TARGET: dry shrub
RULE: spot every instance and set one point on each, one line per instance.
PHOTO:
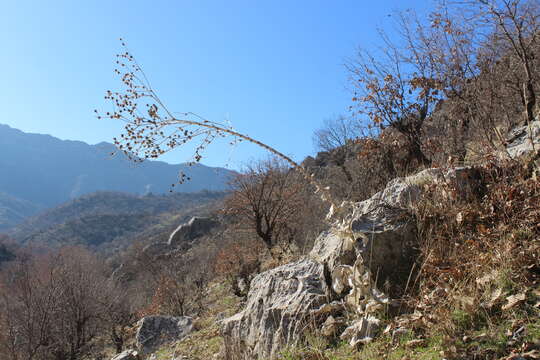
(56, 305)
(238, 261)
(364, 166)
(266, 198)
(476, 252)
(180, 282)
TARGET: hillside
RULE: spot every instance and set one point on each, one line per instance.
(7, 250)
(14, 210)
(108, 219)
(47, 171)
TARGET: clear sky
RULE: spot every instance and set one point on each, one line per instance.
(273, 68)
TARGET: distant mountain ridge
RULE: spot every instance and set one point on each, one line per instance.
(41, 171)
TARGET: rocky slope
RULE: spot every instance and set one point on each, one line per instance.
(343, 273)
(358, 268)
(337, 289)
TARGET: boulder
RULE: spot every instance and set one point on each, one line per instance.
(384, 239)
(196, 227)
(331, 326)
(333, 248)
(379, 239)
(155, 331)
(404, 193)
(381, 230)
(277, 310)
(361, 331)
(127, 355)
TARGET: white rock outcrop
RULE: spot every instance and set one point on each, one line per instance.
(194, 228)
(371, 246)
(154, 331)
(277, 310)
(127, 355)
(524, 139)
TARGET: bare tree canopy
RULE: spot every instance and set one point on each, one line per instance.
(268, 196)
(335, 132)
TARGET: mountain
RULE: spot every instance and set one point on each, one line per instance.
(14, 210)
(39, 171)
(106, 220)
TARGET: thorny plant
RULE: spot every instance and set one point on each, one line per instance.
(152, 130)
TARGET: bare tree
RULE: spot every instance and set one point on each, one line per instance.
(27, 306)
(518, 30)
(398, 87)
(484, 51)
(118, 313)
(51, 305)
(335, 132)
(237, 261)
(267, 198)
(468, 65)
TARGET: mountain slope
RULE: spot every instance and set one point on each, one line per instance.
(14, 210)
(109, 219)
(47, 171)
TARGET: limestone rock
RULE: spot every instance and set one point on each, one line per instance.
(332, 249)
(331, 326)
(361, 331)
(127, 355)
(155, 331)
(277, 310)
(373, 246)
(381, 229)
(519, 141)
(196, 227)
(404, 192)
(384, 239)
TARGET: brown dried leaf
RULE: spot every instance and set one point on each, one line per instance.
(486, 279)
(514, 300)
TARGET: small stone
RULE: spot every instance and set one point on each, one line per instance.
(399, 332)
(127, 355)
(361, 331)
(330, 326)
(514, 300)
(415, 343)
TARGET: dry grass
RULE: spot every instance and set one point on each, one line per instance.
(480, 265)
(205, 341)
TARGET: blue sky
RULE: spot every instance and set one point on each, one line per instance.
(273, 68)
